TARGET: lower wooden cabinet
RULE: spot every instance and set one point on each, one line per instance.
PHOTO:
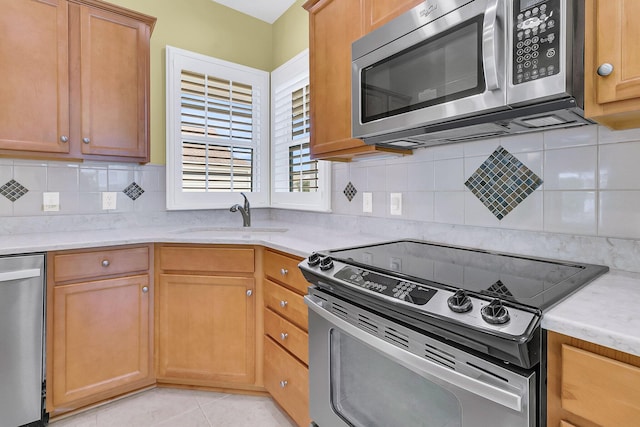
(591, 386)
(99, 340)
(287, 380)
(206, 329)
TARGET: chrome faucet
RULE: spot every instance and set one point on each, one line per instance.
(245, 211)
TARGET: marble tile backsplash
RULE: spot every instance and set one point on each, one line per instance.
(80, 187)
(590, 186)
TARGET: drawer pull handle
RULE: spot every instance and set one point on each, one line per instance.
(283, 383)
(105, 263)
(283, 335)
(145, 289)
(249, 292)
(283, 304)
(284, 271)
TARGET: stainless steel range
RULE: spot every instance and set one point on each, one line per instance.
(415, 333)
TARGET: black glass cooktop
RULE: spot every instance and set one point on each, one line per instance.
(534, 282)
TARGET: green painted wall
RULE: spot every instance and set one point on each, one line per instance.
(209, 28)
(290, 34)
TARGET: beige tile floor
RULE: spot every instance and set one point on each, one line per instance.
(164, 407)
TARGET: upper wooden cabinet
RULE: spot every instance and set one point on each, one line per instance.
(75, 80)
(333, 26)
(611, 37)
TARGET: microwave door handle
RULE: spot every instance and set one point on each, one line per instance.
(421, 366)
(489, 45)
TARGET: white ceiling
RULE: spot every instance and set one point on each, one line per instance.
(265, 10)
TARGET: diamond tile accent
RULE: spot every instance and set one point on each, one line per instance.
(502, 182)
(133, 191)
(498, 290)
(13, 190)
(350, 191)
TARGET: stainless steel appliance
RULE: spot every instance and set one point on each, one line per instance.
(22, 340)
(457, 70)
(415, 333)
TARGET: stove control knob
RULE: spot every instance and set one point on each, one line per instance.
(495, 313)
(459, 302)
(314, 259)
(326, 264)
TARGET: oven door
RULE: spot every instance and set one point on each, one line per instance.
(365, 370)
(448, 67)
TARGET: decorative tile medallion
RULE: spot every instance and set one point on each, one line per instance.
(350, 191)
(133, 191)
(502, 182)
(13, 190)
(498, 290)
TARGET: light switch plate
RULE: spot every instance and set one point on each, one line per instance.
(109, 200)
(367, 202)
(51, 202)
(396, 203)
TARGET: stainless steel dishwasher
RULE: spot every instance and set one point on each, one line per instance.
(21, 340)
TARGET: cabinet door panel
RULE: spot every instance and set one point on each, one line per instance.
(206, 328)
(379, 12)
(101, 338)
(618, 45)
(34, 76)
(114, 83)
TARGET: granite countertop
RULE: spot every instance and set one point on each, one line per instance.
(603, 312)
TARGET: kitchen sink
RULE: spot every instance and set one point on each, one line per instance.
(230, 230)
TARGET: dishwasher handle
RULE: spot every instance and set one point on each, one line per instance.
(19, 274)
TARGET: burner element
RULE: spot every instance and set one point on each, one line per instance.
(495, 313)
(459, 302)
(326, 263)
(314, 259)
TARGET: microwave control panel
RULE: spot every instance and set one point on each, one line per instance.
(536, 39)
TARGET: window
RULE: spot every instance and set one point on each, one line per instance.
(298, 182)
(217, 132)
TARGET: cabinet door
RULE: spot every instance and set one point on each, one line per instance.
(34, 76)
(114, 73)
(101, 339)
(206, 329)
(612, 38)
(379, 12)
(333, 26)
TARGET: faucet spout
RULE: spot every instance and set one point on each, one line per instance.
(245, 211)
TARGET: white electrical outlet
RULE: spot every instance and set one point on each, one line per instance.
(396, 203)
(109, 200)
(367, 202)
(51, 202)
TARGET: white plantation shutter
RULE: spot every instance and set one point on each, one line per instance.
(298, 182)
(217, 132)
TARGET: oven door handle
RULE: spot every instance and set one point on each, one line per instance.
(490, 49)
(417, 364)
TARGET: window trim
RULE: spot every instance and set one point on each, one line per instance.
(177, 60)
(293, 71)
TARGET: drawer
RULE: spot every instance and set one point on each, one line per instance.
(288, 335)
(288, 382)
(286, 303)
(285, 269)
(207, 259)
(600, 389)
(94, 264)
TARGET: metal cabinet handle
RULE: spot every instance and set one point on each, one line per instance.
(86, 140)
(284, 383)
(249, 292)
(145, 289)
(105, 263)
(284, 271)
(283, 335)
(283, 303)
(605, 69)
(64, 138)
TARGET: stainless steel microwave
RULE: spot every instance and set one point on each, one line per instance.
(457, 70)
